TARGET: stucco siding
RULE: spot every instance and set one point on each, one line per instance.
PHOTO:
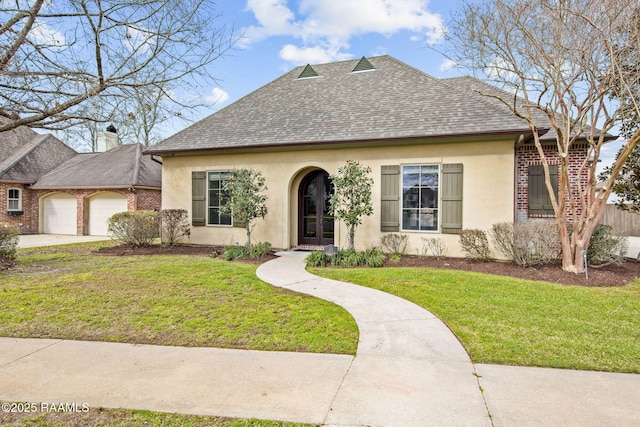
(488, 187)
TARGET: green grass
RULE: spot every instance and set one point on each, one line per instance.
(66, 292)
(122, 417)
(510, 321)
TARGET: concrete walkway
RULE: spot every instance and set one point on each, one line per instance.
(409, 371)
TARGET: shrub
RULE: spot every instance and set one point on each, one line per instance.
(235, 252)
(254, 251)
(475, 244)
(136, 229)
(372, 257)
(175, 225)
(605, 247)
(8, 242)
(395, 243)
(317, 259)
(434, 247)
(260, 249)
(527, 244)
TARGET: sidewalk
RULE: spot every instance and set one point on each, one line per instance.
(409, 371)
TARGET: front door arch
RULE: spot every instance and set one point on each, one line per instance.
(315, 224)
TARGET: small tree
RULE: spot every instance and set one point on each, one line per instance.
(244, 198)
(174, 225)
(351, 199)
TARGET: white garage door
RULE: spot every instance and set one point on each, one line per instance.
(59, 216)
(101, 207)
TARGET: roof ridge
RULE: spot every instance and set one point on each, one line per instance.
(136, 165)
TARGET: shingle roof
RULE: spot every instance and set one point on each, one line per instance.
(393, 101)
(539, 117)
(120, 167)
(26, 155)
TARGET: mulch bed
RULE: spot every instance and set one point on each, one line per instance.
(611, 275)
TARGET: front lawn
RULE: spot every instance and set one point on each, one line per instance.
(518, 322)
(67, 292)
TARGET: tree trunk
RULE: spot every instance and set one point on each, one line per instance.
(352, 237)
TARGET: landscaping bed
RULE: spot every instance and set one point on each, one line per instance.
(195, 250)
(610, 275)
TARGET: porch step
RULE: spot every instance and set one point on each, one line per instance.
(307, 248)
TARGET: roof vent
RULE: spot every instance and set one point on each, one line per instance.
(363, 65)
(308, 72)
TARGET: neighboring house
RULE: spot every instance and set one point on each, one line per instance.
(46, 187)
(443, 157)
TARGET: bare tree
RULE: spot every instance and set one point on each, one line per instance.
(54, 56)
(559, 60)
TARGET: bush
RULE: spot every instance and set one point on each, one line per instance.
(527, 244)
(254, 251)
(605, 247)
(434, 247)
(395, 243)
(138, 228)
(8, 242)
(175, 225)
(372, 257)
(475, 244)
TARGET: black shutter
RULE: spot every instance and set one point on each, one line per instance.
(198, 198)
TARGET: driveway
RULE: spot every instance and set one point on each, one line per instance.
(34, 240)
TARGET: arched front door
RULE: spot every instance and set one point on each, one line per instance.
(315, 224)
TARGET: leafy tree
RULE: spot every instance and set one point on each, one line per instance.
(627, 184)
(559, 62)
(244, 198)
(351, 199)
(57, 56)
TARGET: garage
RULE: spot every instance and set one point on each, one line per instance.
(101, 207)
(60, 214)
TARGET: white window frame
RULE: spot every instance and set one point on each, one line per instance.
(438, 207)
(209, 207)
(13, 199)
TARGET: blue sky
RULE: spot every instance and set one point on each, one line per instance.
(279, 35)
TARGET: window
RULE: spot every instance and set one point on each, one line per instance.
(539, 200)
(420, 184)
(14, 200)
(216, 198)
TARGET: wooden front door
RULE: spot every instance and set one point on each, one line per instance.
(315, 224)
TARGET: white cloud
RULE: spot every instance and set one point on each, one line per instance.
(447, 65)
(311, 55)
(325, 27)
(218, 96)
(42, 34)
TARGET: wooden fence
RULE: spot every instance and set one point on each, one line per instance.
(627, 223)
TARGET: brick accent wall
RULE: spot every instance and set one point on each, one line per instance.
(29, 221)
(24, 220)
(527, 155)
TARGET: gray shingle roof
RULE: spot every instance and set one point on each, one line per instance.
(394, 101)
(26, 155)
(121, 167)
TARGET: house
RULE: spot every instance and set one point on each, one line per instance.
(47, 187)
(443, 156)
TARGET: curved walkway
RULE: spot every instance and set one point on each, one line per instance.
(409, 370)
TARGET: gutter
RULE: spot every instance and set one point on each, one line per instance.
(273, 146)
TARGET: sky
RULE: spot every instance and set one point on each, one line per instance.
(278, 35)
